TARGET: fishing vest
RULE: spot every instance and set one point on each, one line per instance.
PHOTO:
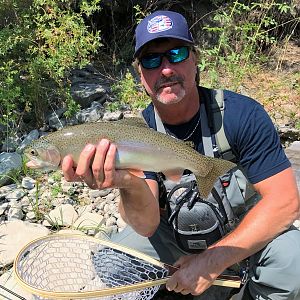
(198, 222)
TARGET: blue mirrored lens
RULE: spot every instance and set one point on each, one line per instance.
(152, 61)
(178, 54)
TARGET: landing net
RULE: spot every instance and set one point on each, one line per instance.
(80, 267)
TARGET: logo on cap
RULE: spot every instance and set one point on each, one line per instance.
(159, 24)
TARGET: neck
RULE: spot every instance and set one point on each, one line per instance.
(181, 112)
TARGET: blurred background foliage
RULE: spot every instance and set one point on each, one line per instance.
(42, 41)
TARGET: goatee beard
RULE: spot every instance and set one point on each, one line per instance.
(175, 79)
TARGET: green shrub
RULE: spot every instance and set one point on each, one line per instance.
(130, 93)
(40, 42)
(244, 30)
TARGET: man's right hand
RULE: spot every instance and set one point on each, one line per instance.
(96, 167)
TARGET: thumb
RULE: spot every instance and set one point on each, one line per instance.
(171, 284)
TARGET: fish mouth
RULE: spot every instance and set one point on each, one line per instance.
(35, 164)
(32, 165)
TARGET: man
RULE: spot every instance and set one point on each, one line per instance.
(166, 60)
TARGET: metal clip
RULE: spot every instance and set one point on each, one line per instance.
(244, 274)
(192, 200)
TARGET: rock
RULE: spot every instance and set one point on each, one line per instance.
(112, 116)
(4, 207)
(106, 208)
(89, 115)
(17, 194)
(288, 133)
(28, 183)
(297, 224)
(293, 154)
(117, 199)
(44, 128)
(86, 93)
(15, 235)
(106, 232)
(30, 216)
(15, 211)
(9, 163)
(70, 231)
(110, 221)
(62, 215)
(121, 223)
(89, 221)
(10, 144)
(5, 190)
(84, 209)
(27, 203)
(104, 192)
(95, 194)
(72, 121)
(101, 204)
(110, 197)
(33, 135)
(68, 187)
(54, 119)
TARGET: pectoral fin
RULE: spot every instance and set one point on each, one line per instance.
(137, 173)
(174, 175)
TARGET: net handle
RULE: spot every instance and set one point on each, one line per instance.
(222, 280)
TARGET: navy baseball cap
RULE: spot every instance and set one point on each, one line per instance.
(161, 24)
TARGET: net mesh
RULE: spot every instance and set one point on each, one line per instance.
(76, 264)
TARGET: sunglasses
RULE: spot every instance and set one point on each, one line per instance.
(175, 55)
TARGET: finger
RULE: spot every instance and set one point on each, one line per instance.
(67, 168)
(84, 161)
(99, 159)
(185, 292)
(109, 165)
(171, 284)
(177, 289)
(83, 170)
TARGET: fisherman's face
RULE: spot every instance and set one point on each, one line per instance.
(170, 82)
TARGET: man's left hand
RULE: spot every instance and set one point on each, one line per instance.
(193, 276)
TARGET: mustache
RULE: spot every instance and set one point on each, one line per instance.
(168, 80)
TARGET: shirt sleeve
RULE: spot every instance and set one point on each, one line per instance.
(150, 175)
(257, 143)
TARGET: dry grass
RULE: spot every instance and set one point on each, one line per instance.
(275, 84)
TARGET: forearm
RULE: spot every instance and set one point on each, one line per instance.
(253, 233)
(275, 212)
(139, 206)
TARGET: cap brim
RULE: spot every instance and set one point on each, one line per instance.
(136, 53)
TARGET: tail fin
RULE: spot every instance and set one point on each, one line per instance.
(205, 184)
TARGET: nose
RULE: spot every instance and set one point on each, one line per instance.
(167, 68)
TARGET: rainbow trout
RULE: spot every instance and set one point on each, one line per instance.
(138, 148)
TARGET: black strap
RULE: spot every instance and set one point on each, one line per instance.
(11, 292)
(214, 105)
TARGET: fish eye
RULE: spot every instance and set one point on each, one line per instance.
(32, 152)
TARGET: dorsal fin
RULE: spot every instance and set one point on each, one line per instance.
(133, 121)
